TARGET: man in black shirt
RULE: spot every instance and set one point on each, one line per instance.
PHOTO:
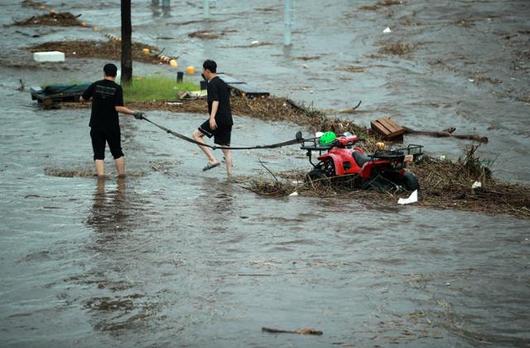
(219, 124)
(107, 101)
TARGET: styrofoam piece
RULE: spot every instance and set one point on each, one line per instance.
(49, 56)
(476, 184)
(413, 198)
(387, 30)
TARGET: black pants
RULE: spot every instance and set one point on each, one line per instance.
(221, 134)
(100, 137)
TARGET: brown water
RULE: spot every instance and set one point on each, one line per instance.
(172, 256)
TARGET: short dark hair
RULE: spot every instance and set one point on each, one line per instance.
(110, 70)
(210, 65)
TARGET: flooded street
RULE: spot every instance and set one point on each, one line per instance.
(172, 256)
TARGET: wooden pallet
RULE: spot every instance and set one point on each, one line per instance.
(388, 128)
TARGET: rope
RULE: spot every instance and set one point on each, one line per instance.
(297, 140)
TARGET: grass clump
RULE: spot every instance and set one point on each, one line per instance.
(156, 88)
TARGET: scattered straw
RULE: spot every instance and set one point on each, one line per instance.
(353, 69)
(397, 48)
(97, 49)
(63, 19)
(443, 184)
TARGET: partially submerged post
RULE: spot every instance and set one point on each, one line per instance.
(288, 22)
(166, 8)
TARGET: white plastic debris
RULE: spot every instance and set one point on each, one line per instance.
(387, 30)
(413, 198)
(49, 56)
(294, 194)
(254, 43)
(476, 184)
(318, 134)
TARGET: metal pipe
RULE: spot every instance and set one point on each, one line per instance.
(288, 22)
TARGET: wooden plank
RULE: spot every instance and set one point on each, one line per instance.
(387, 128)
(396, 130)
(389, 124)
(379, 127)
(376, 127)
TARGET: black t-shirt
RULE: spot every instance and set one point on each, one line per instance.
(218, 91)
(105, 95)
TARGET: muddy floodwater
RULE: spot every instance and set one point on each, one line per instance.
(175, 257)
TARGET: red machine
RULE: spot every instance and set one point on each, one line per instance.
(383, 169)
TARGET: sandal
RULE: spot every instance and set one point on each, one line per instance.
(210, 166)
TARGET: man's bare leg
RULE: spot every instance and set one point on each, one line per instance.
(228, 161)
(197, 136)
(100, 168)
(120, 166)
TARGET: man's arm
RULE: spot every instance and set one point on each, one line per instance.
(124, 110)
(118, 106)
(87, 94)
(137, 114)
(215, 107)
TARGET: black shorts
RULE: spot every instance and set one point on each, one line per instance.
(221, 134)
(101, 137)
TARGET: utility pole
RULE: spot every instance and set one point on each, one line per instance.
(126, 51)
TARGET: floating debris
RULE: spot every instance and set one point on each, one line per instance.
(63, 19)
(353, 69)
(70, 173)
(205, 35)
(397, 48)
(110, 49)
(444, 184)
(302, 331)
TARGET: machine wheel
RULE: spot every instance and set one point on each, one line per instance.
(410, 182)
(329, 168)
(315, 174)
